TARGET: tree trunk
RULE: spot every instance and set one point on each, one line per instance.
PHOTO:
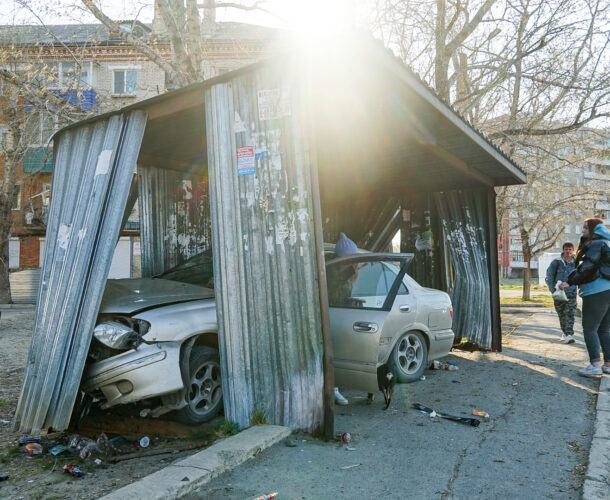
(5, 228)
(526, 277)
(527, 259)
(441, 58)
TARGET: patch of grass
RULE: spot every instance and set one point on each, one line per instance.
(259, 416)
(229, 428)
(4, 403)
(533, 288)
(200, 435)
(545, 300)
(14, 450)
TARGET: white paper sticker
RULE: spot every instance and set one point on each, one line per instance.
(273, 103)
(63, 240)
(239, 125)
(103, 162)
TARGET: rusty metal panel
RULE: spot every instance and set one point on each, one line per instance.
(464, 219)
(266, 282)
(93, 168)
(174, 217)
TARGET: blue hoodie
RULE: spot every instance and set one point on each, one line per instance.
(600, 284)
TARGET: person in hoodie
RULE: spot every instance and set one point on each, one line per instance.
(558, 271)
(592, 275)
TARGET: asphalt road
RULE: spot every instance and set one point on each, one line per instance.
(534, 446)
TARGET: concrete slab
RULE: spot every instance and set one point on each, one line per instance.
(602, 425)
(603, 399)
(594, 490)
(599, 461)
(186, 475)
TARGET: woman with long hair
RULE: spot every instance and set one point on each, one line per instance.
(592, 275)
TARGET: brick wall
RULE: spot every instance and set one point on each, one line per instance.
(29, 253)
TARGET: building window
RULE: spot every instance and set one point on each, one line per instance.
(125, 82)
(39, 127)
(16, 205)
(73, 74)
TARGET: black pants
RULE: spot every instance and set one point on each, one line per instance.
(596, 324)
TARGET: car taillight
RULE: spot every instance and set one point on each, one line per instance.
(451, 311)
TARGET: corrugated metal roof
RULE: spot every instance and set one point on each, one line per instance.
(373, 56)
(98, 34)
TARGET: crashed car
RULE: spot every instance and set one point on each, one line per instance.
(157, 337)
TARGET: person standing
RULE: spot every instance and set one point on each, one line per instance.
(559, 270)
(592, 275)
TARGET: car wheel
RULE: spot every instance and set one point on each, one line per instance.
(204, 393)
(408, 359)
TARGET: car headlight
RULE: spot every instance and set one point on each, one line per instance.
(114, 334)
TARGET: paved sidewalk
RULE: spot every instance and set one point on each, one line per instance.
(535, 446)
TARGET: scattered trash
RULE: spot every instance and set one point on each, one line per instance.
(104, 444)
(515, 383)
(349, 448)
(97, 461)
(346, 437)
(449, 365)
(34, 448)
(144, 442)
(500, 461)
(185, 479)
(73, 470)
(26, 439)
(118, 439)
(481, 413)
(423, 377)
(4, 478)
(474, 422)
(432, 414)
(4, 422)
(56, 450)
(350, 466)
(456, 381)
(266, 496)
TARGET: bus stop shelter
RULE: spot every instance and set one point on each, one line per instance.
(264, 165)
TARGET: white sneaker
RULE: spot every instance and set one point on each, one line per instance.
(567, 339)
(339, 399)
(591, 371)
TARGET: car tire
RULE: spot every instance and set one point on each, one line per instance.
(204, 393)
(409, 357)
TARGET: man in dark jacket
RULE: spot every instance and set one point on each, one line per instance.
(559, 270)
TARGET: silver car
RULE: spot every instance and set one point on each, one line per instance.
(156, 338)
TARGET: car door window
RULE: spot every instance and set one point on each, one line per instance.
(360, 285)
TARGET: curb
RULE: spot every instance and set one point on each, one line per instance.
(203, 466)
(597, 477)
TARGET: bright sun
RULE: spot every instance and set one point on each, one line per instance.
(319, 16)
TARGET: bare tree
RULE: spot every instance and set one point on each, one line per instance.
(30, 109)
(523, 71)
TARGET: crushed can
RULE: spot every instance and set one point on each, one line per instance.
(73, 470)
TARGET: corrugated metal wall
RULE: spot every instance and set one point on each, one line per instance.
(174, 217)
(93, 169)
(264, 250)
(464, 218)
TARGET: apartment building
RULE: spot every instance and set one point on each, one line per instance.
(88, 66)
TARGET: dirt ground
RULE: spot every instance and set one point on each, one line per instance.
(42, 476)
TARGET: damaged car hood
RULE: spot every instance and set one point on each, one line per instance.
(127, 296)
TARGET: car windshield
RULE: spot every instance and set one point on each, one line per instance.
(198, 270)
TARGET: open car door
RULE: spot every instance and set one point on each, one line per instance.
(361, 290)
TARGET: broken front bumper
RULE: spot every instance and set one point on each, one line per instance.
(149, 371)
